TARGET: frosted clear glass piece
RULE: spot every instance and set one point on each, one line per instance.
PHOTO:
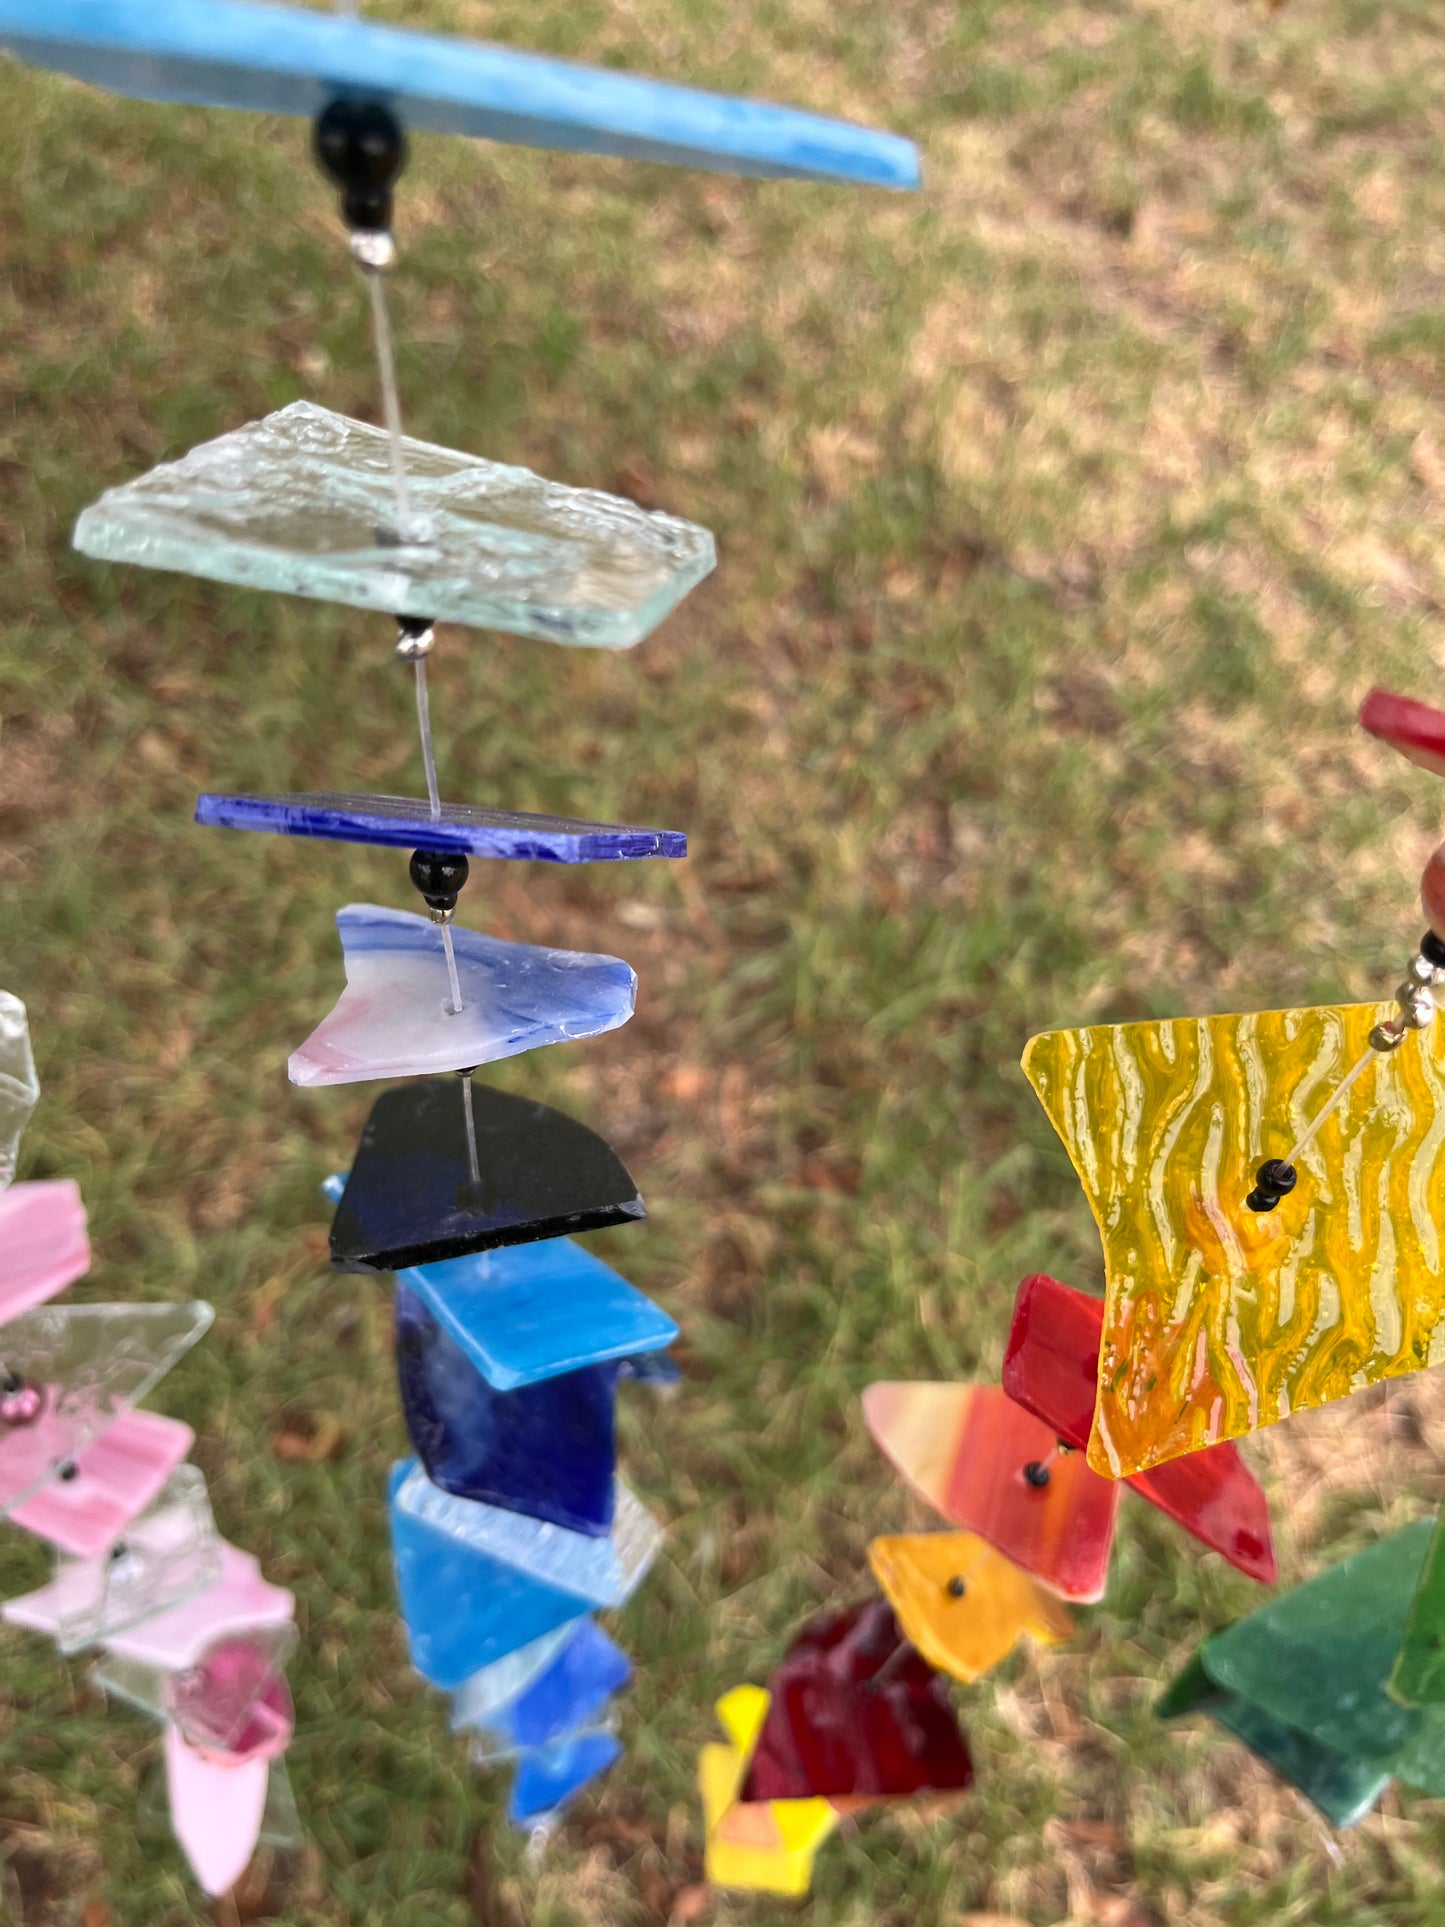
(395, 1017)
(239, 1600)
(212, 1701)
(19, 1086)
(170, 1552)
(302, 503)
(92, 1363)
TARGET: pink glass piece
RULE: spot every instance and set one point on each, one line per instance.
(117, 1476)
(216, 1811)
(234, 1703)
(970, 1451)
(43, 1245)
(1050, 1367)
(1414, 729)
(240, 1601)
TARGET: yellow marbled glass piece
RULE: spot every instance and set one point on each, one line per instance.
(766, 1845)
(963, 1633)
(1220, 1321)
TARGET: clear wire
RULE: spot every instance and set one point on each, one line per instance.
(447, 945)
(428, 748)
(1341, 1092)
(471, 1123)
(390, 398)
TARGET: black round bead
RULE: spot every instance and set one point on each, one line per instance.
(1272, 1181)
(1432, 949)
(956, 1587)
(360, 146)
(70, 1470)
(439, 875)
(1036, 1475)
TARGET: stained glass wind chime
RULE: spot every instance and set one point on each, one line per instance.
(510, 1528)
(1270, 1193)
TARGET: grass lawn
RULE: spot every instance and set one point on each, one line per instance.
(1065, 511)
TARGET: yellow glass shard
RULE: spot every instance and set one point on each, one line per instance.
(767, 1846)
(1219, 1321)
(963, 1605)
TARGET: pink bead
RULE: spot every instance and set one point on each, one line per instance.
(1414, 729)
(1432, 892)
(22, 1406)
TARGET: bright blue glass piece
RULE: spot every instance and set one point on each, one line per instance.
(571, 1693)
(547, 1450)
(477, 1582)
(406, 823)
(550, 1776)
(479, 1700)
(530, 1312)
(222, 53)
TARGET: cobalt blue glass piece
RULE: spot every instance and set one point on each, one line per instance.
(224, 53)
(572, 1693)
(477, 1582)
(411, 1200)
(551, 1775)
(406, 823)
(547, 1450)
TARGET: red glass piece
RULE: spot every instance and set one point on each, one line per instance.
(1414, 729)
(856, 1711)
(1050, 1367)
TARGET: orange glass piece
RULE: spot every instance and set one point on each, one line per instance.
(963, 1605)
(767, 1846)
(1217, 1320)
(966, 1448)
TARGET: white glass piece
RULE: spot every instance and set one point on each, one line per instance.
(170, 1552)
(395, 1017)
(92, 1364)
(217, 1810)
(302, 503)
(19, 1086)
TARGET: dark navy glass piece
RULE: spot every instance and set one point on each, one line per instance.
(571, 1694)
(547, 1450)
(551, 1775)
(411, 1200)
(406, 823)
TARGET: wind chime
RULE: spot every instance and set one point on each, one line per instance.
(510, 1528)
(1268, 1189)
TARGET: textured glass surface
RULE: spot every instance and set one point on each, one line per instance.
(94, 1362)
(1418, 1678)
(217, 1808)
(477, 1582)
(411, 1200)
(116, 1477)
(406, 823)
(302, 503)
(1219, 1321)
(549, 1776)
(285, 61)
(43, 1243)
(1051, 1368)
(766, 1846)
(854, 1711)
(1320, 1658)
(395, 1017)
(168, 1553)
(478, 1700)
(1343, 1789)
(239, 1600)
(19, 1086)
(963, 1605)
(547, 1450)
(965, 1447)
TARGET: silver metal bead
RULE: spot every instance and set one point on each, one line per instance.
(412, 648)
(441, 916)
(1422, 971)
(1386, 1036)
(1417, 1006)
(372, 248)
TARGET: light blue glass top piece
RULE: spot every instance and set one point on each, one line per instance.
(477, 1582)
(528, 1312)
(396, 1018)
(222, 53)
(551, 1775)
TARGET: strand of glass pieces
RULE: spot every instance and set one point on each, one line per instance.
(187, 1628)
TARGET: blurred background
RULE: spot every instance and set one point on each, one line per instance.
(1065, 513)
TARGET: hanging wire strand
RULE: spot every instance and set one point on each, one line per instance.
(390, 398)
(456, 983)
(471, 1123)
(1341, 1092)
(428, 748)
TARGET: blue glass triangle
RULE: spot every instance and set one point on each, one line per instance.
(477, 1582)
(531, 1312)
(550, 1776)
(571, 1693)
(547, 1450)
(282, 60)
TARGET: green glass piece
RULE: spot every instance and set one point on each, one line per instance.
(1319, 1659)
(1419, 1675)
(1344, 1790)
